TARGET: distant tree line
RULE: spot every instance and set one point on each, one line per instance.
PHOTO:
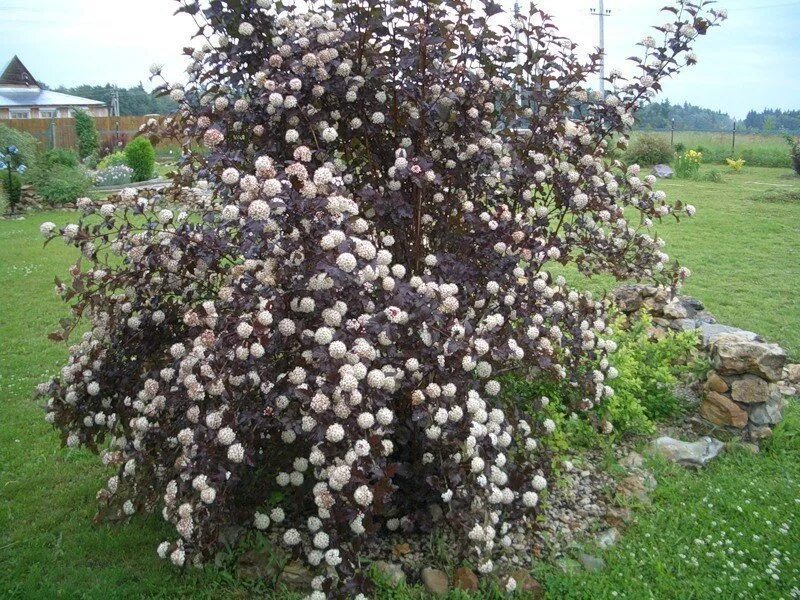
(688, 117)
(134, 101)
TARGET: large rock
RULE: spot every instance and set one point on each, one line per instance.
(721, 410)
(711, 331)
(769, 413)
(793, 373)
(663, 172)
(628, 298)
(733, 355)
(750, 389)
(690, 454)
(435, 581)
(675, 310)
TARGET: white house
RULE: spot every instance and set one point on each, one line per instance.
(21, 97)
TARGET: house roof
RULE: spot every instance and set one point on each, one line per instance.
(19, 88)
(21, 97)
(17, 74)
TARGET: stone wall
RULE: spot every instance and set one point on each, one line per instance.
(744, 391)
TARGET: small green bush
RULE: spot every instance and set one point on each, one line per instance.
(63, 184)
(58, 156)
(42, 169)
(648, 373)
(649, 149)
(25, 143)
(141, 157)
(115, 159)
(86, 130)
(712, 176)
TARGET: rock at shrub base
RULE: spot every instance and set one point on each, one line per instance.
(793, 373)
(663, 172)
(608, 538)
(393, 572)
(715, 383)
(465, 579)
(592, 563)
(527, 584)
(769, 413)
(295, 576)
(721, 410)
(734, 355)
(688, 454)
(750, 390)
(711, 331)
(435, 581)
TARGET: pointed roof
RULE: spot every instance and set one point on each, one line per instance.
(15, 74)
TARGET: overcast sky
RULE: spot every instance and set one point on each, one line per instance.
(753, 61)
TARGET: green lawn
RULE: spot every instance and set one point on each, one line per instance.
(745, 254)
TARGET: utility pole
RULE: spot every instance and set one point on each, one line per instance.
(115, 114)
(602, 13)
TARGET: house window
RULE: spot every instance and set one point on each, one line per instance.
(48, 113)
(19, 113)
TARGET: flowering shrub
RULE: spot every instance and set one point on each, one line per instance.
(115, 159)
(375, 255)
(735, 164)
(116, 175)
(687, 165)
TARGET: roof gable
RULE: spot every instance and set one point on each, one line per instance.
(16, 74)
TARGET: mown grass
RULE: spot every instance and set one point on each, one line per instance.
(758, 150)
(744, 253)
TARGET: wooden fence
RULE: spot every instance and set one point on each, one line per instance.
(60, 133)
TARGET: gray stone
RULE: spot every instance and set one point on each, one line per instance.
(750, 389)
(734, 355)
(393, 572)
(793, 373)
(688, 454)
(663, 172)
(592, 563)
(633, 460)
(769, 413)
(684, 324)
(760, 433)
(296, 576)
(608, 538)
(628, 298)
(692, 304)
(435, 581)
(568, 565)
(711, 331)
(705, 317)
(675, 310)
